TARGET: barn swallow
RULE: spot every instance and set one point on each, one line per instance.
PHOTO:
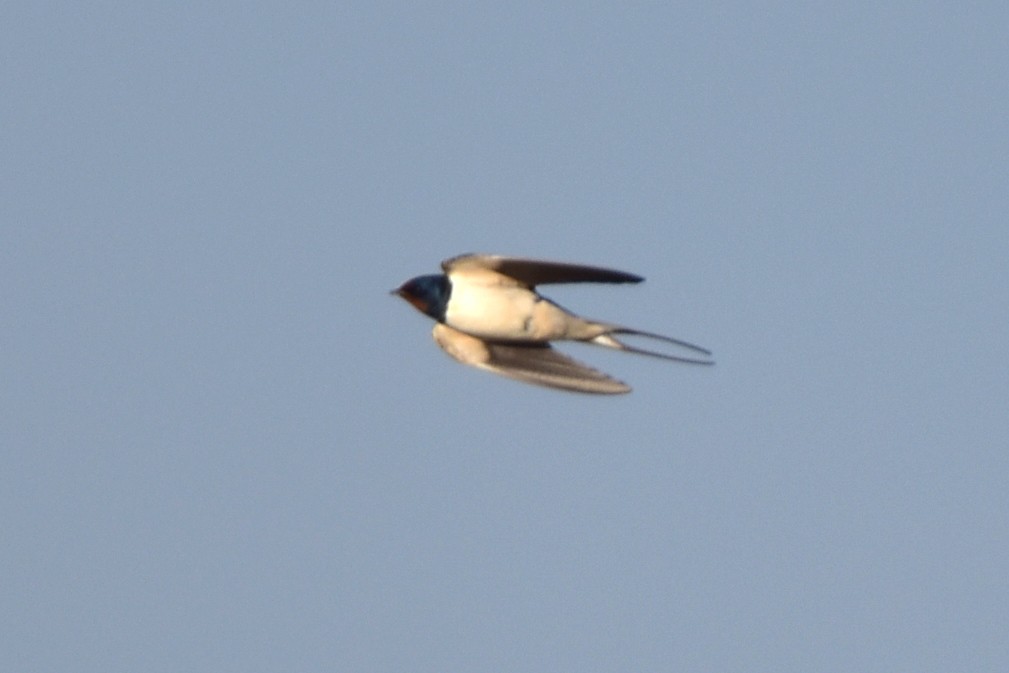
(490, 316)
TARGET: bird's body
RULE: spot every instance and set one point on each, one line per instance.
(490, 316)
(485, 308)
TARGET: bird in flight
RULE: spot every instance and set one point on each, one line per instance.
(489, 315)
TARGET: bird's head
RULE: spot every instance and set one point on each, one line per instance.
(428, 294)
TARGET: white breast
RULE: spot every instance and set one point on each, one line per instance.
(490, 310)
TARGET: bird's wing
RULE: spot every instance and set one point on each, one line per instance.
(532, 272)
(536, 363)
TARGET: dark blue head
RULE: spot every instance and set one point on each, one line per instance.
(429, 294)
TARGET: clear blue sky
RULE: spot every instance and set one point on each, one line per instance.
(227, 448)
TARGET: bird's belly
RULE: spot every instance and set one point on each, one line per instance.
(504, 313)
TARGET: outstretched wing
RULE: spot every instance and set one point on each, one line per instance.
(532, 272)
(536, 363)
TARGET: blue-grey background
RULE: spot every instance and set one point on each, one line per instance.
(225, 447)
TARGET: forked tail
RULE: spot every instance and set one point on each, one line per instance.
(611, 341)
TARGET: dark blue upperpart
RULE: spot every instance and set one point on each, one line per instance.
(429, 294)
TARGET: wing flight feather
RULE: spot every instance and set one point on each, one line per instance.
(535, 363)
(532, 272)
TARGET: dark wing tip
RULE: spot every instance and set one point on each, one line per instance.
(538, 271)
